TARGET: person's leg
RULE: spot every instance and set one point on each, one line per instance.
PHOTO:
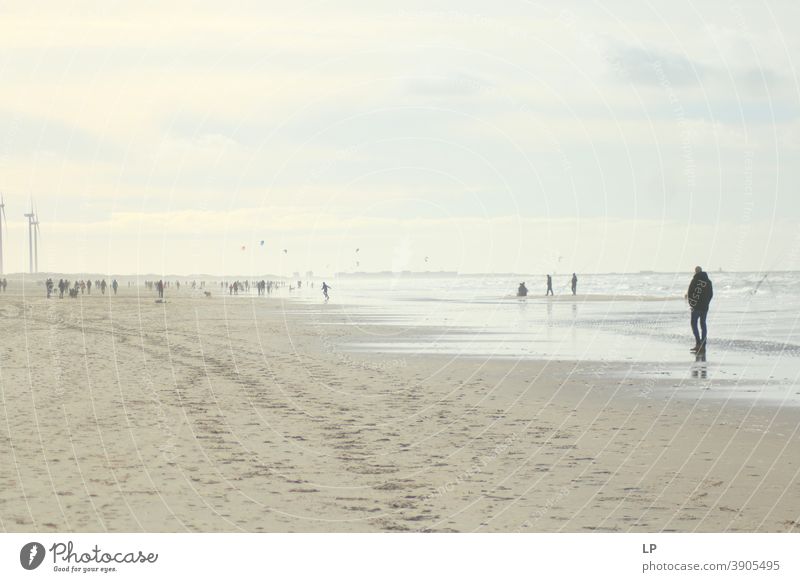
(695, 317)
(703, 328)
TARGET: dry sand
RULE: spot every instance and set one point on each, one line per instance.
(218, 414)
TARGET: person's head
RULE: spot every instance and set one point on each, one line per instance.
(698, 270)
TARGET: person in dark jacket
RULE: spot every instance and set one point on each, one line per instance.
(699, 296)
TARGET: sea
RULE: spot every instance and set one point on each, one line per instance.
(635, 324)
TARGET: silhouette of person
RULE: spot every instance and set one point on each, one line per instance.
(549, 285)
(325, 288)
(574, 283)
(699, 296)
(522, 291)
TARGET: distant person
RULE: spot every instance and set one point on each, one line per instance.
(325, 288)
(699, 297)
(160, 289)
(549, 286)
(522, 291)
(89, 287)
(49, 286)
(574, 283)
(115, 286)
(103, 286)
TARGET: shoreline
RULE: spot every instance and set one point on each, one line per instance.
(203, 415)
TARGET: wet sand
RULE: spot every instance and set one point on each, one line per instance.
(219, 414)
(594, 297)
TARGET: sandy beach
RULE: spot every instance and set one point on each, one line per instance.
(245, 414)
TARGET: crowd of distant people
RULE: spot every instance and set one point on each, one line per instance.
(699, 294)
(79, 287)
(74, 289)
(522, 290)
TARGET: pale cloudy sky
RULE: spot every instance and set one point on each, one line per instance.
(165, 136)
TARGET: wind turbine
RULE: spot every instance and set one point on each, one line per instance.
(36, 234)
(30, 216)
(3, 212)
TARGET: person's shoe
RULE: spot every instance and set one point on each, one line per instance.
(695, 348)
(701, 349)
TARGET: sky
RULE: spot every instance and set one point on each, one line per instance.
(174, 137)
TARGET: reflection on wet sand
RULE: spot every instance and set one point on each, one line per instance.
(700, 367)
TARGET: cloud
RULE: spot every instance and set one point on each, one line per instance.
(655, 67)
(24, 135)
(446, 84)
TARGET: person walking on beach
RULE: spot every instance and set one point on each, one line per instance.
(549, 286)
(325, 288)
(114, 286)
(574, 283)
(160, 289)
(699, 296)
